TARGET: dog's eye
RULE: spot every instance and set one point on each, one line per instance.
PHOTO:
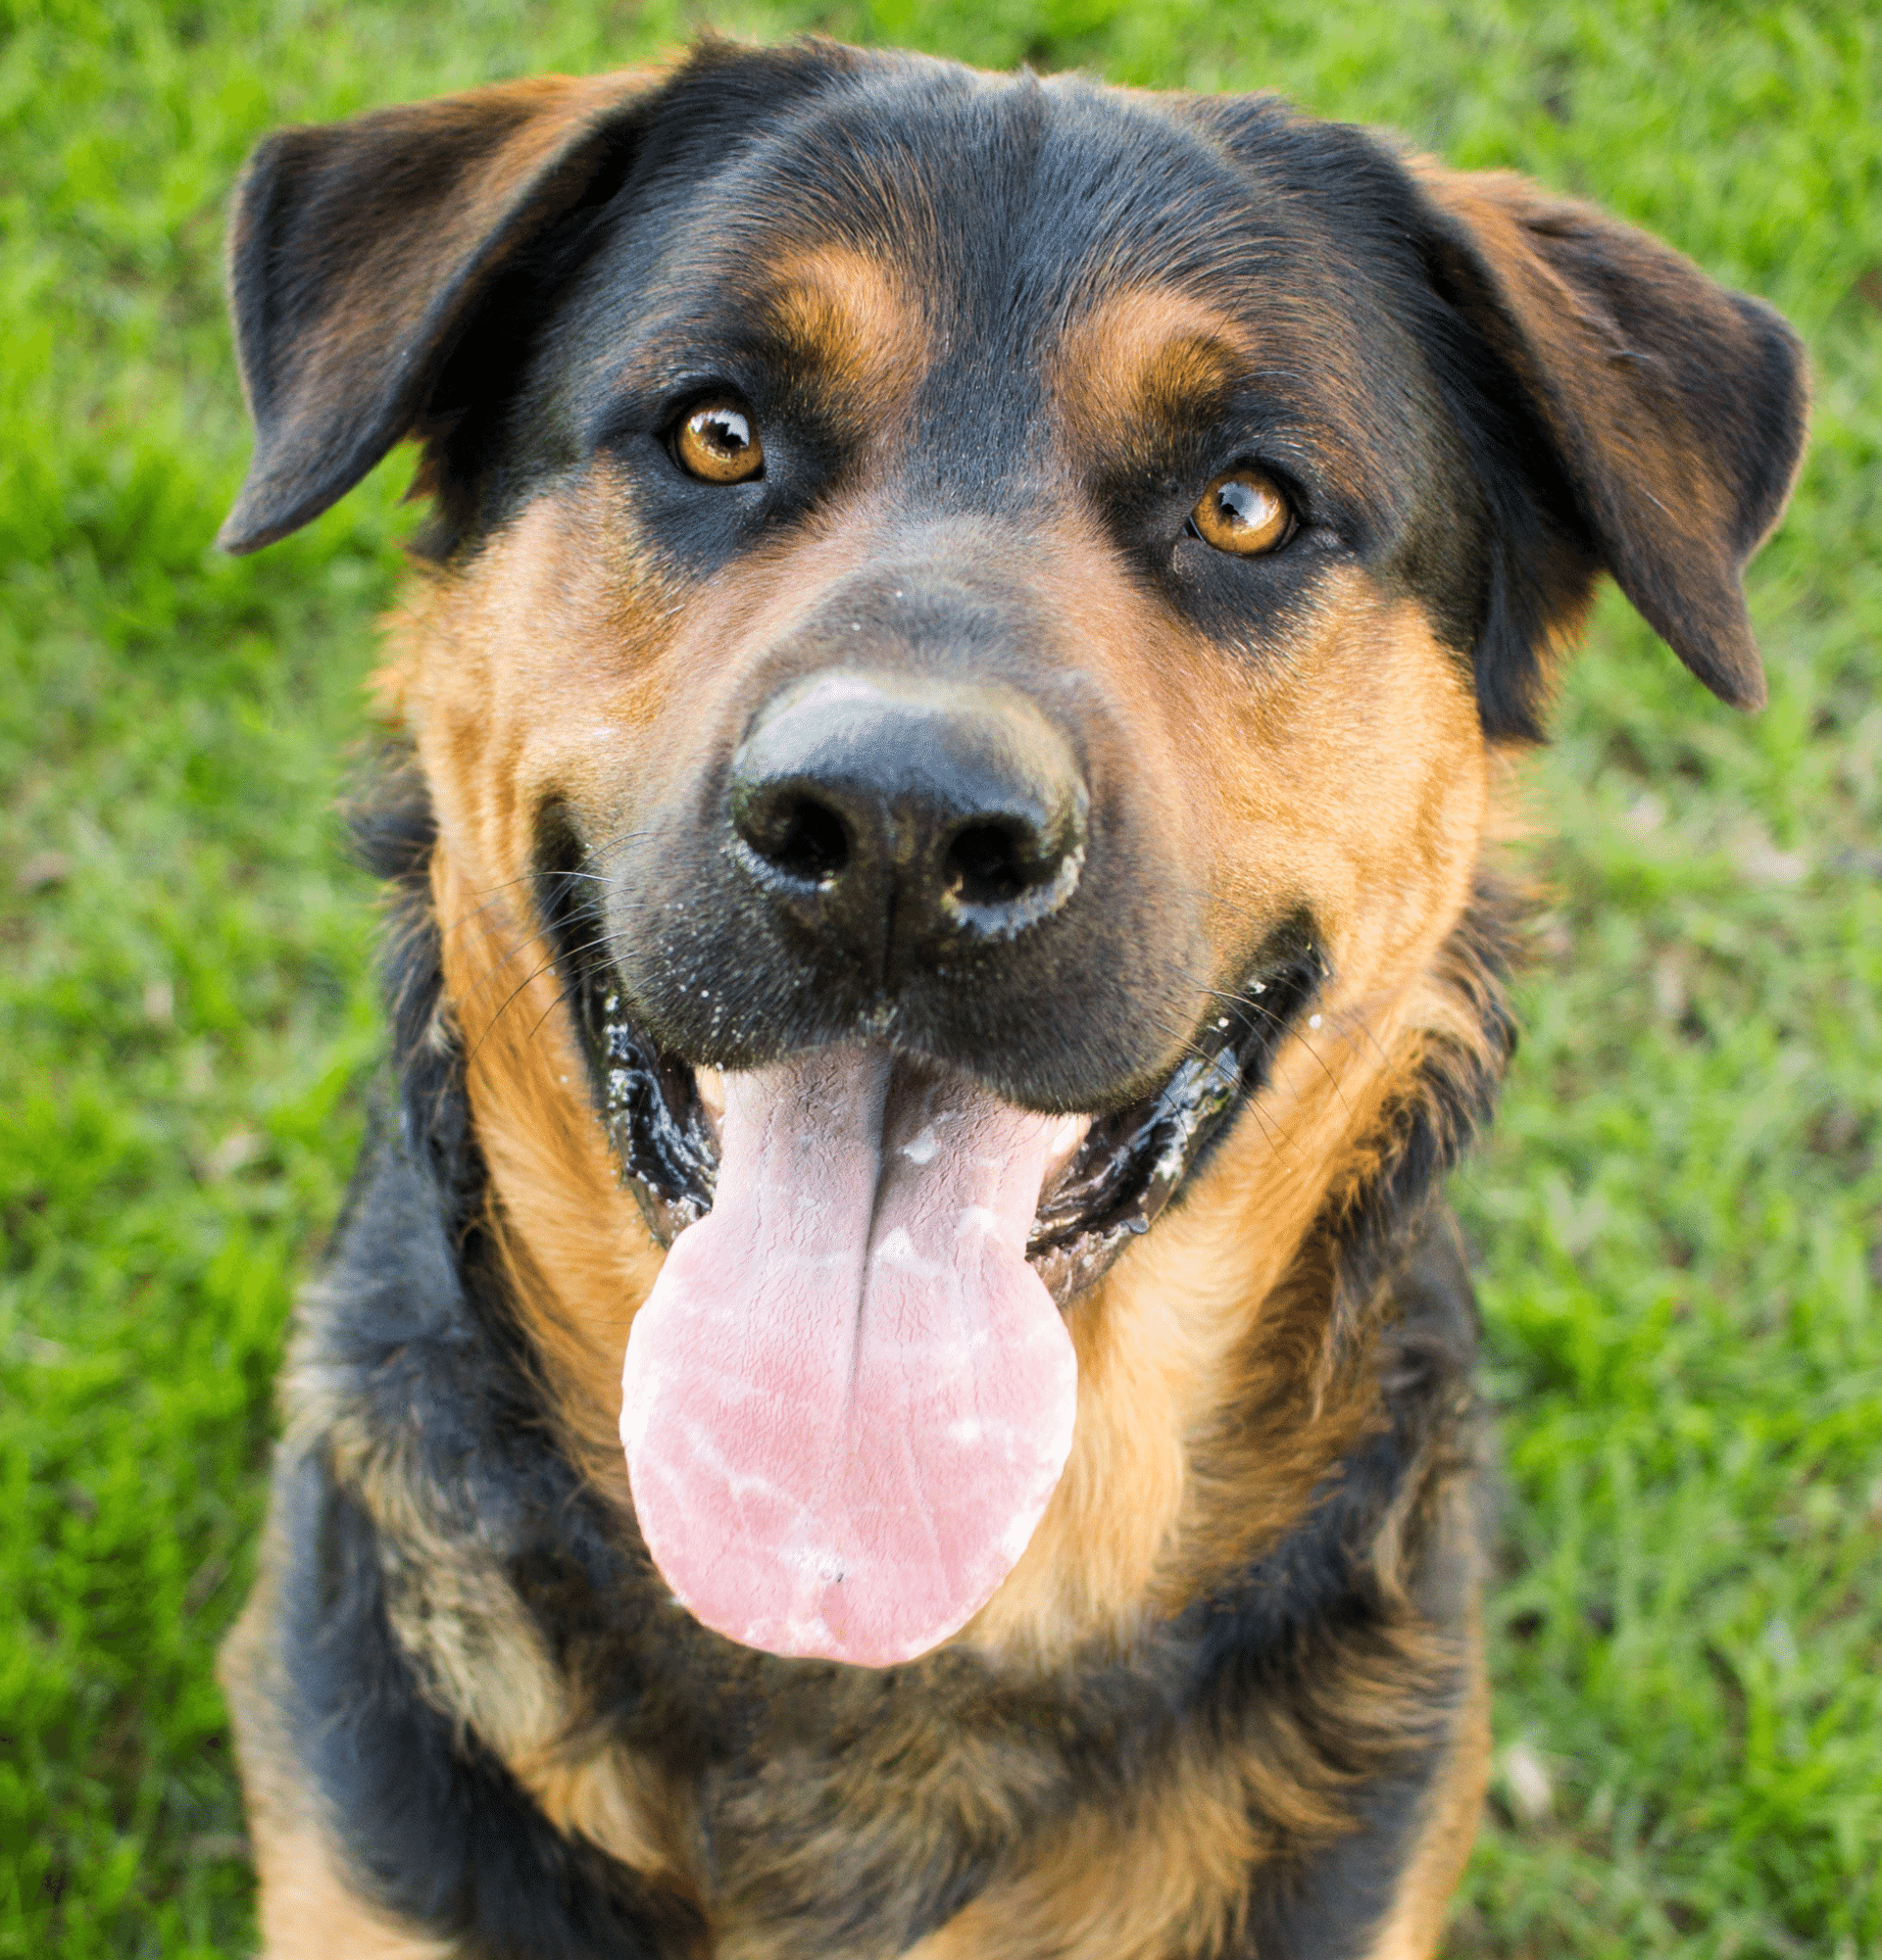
(1243, 512)
(719, 444)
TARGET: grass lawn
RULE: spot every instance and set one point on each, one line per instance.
(1679, 1219)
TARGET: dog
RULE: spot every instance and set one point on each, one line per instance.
(896, 1379)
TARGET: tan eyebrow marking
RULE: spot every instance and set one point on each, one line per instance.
(851, 322)
(1150, 366)
(1142, 364)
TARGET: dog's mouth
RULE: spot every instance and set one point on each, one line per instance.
(851, 1389)
(1109, 1175)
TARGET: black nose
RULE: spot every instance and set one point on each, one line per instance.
(889, 813)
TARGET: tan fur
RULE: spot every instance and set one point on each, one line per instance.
(1321, 757)
(1188, 1327)
(574, 1241)
(478, 1656)
(309, 1908)
(615, 1798)
(1141, 358)
(850, 332)
(1166, 1877)
(499, 727)
(310, 1912)
(559, 664)
(1423, 1903)
(1168, 1868)
(1352, 773)
(1172, 1483)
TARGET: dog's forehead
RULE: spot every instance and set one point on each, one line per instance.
(1008, 199)
(1013, 202)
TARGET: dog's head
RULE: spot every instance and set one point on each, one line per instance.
(966, 613)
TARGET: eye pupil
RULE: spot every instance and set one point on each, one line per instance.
(1241, 503)
(725, 430)
(717, 444)
(1243, 512)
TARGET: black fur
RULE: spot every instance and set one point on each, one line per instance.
(1431, 426)
(1724, 378)
(411, 1330)
(435, 1827)
(1434, 432)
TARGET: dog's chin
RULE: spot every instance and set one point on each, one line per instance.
(1106, 1175)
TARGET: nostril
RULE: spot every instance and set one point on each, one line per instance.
(804, 838)
(886, 811)
(991, 864)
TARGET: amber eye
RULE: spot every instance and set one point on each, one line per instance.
(1243, 512)
(717, 444)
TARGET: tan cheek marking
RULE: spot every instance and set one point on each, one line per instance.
(562, 664)
(539, 671)
(579, 1256)
(1159, 1353)
(1088, 1568)
(539, 674)
(1348, 765)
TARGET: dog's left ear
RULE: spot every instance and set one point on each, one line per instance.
(362, 253)
(1676, 408)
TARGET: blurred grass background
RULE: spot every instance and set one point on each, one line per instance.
(1679, 1220)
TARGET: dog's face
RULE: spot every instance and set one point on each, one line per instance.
(976, 610)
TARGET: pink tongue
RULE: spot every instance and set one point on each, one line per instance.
(848, 1397)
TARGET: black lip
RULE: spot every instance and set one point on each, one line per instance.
(1132, 1164)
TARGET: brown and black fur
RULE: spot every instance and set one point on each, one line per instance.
(1231, 1700)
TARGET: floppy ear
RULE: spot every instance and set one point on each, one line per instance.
(361, 251)
(1675, 409)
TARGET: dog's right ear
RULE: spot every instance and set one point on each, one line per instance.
(360, 253)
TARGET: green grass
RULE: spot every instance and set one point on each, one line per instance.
(1680, 1218)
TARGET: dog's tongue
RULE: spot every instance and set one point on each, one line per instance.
(848, 1397)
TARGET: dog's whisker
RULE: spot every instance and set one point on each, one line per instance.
(562, 999)
(547, 966)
